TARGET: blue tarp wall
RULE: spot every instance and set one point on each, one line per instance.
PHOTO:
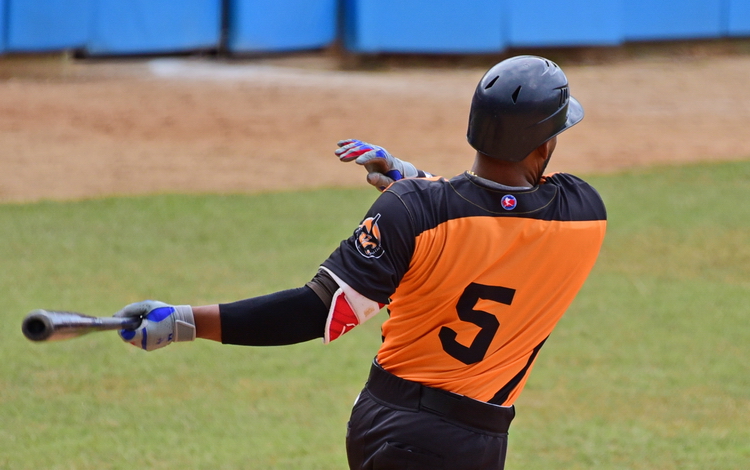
(738, 18)
(272, 25)
(43, 25)
(108, 27)
(134, 26)
(646, 20)
(112, 26)
(476, 26)
(437, 26)
(542, 23)
(2, 26)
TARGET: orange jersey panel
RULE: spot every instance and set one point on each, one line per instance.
(443, 266)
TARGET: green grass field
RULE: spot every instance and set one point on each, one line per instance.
(649, 369)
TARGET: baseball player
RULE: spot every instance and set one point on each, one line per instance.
(475, 272)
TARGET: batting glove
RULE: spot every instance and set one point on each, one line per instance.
(161, 324)
(383, 168)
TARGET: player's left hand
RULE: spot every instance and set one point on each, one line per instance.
(382, 167)
(161, 324)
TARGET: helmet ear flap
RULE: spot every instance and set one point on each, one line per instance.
(519, 104)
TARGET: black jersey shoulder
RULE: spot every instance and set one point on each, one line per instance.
(562, 197)
(577, 200)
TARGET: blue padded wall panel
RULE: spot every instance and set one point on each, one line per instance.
(155, 26)
(270, 25)
(573, 23)
(47, 25)
(738, 18)
(3, 28)
(672, 19)
(416, 26)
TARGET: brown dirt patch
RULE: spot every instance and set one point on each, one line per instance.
(74, 129)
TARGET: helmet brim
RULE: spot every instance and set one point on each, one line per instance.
(575, 113)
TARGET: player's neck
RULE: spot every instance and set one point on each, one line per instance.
(516, 174)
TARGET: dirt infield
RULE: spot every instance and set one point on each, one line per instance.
(74, 129)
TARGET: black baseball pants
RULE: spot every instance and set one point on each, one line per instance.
(401, 425)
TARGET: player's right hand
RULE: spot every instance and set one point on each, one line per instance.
(161, 324)
(382, 167)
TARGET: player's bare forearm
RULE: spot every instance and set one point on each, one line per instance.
(208, 322)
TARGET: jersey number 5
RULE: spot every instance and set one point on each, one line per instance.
(487, 322)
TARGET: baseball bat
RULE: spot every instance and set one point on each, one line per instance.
(53, 325)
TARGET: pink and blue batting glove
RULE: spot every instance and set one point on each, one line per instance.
(161, 324)
(383, 168)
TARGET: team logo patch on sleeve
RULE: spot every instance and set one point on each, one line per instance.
(509, 202)
(367, 238)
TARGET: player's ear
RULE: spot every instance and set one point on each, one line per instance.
(551, 145)
(541, 152)
(544, 151)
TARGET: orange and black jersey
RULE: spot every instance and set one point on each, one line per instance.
(476, 275)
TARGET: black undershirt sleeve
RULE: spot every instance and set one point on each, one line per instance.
(286, 317)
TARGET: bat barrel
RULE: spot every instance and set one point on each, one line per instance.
(47, 325)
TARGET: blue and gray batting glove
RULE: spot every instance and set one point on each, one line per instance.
(161, 324)
(383, 168)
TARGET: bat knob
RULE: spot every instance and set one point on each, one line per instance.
(37, 326)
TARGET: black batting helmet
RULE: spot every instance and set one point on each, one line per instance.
(518, 105)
